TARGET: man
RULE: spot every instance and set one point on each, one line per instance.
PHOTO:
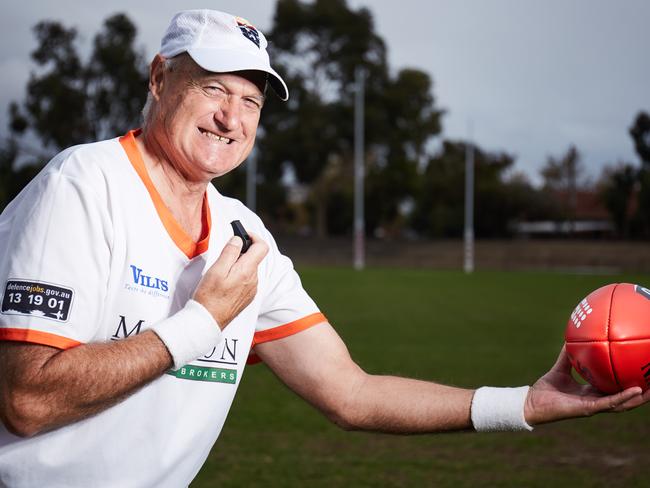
(129, 310)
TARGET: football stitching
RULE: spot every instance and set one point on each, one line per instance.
(609, 347)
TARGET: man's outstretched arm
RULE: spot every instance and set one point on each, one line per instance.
(315, 363)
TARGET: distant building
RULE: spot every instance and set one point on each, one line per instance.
(590, 218)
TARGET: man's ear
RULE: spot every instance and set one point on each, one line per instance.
(156, 76)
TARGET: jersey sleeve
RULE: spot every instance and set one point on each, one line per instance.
(286, 307)
(54, 262)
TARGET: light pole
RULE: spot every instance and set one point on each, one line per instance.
(359, 171)
(468, 235)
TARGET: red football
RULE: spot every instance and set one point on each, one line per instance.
(608, 337)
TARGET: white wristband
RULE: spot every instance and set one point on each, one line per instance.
(499, 409)
(189, 333)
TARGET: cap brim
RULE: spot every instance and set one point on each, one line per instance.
(227, 60)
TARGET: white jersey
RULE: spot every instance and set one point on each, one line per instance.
(90, 253)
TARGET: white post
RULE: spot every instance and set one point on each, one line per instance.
(359, 171)
(468, 235)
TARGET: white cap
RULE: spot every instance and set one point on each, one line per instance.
(221, 43)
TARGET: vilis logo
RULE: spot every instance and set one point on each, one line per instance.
(248, 31)
(142, 279)
(139, 281)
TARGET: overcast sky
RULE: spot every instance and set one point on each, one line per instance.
(533, 77)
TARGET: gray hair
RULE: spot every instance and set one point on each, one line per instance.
(169, 65)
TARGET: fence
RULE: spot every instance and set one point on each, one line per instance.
(593, 256)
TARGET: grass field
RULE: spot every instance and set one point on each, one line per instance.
(501, 329)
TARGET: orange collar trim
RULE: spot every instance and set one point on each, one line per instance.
(184, 242)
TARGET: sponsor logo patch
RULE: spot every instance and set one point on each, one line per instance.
(225, 354)
(37, 299)
(203, 373)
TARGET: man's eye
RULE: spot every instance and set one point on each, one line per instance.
(214, 90)
(253, 103)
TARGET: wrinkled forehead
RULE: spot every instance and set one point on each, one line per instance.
(256, 78)
(188, 69)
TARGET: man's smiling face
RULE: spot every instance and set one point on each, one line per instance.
(205, 123)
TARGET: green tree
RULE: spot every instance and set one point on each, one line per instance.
(498, 201)
(641, 220)
(439, 201)
(55, 101)
(394, 171)
(69, 101)
(640, 133)
(8, 152)
(116, 79)
(616, 189)
(563, 177)
(319, 46)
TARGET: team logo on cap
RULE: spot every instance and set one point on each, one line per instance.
(249, 31)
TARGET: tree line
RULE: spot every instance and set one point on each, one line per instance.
(414, 182)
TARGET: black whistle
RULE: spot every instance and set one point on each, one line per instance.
(239, 231)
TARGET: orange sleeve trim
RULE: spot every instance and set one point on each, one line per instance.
(184, 242)
(288, 329)
(38, 337)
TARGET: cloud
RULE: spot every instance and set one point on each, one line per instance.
(534, 77)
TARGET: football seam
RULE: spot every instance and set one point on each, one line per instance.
(609, 349)
(618, 341)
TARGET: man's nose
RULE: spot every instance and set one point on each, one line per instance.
(228, 114)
